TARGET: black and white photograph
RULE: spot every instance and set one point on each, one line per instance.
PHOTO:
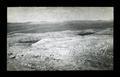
(60, 38)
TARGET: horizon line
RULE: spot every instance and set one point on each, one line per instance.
(58, 21)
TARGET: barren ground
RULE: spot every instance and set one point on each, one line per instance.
(62, 50)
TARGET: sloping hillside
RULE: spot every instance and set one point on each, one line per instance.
(62, 50)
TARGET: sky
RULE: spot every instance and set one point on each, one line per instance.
(57, 14)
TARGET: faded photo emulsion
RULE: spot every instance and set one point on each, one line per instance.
(59, 38)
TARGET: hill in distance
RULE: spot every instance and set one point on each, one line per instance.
(45, 26)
